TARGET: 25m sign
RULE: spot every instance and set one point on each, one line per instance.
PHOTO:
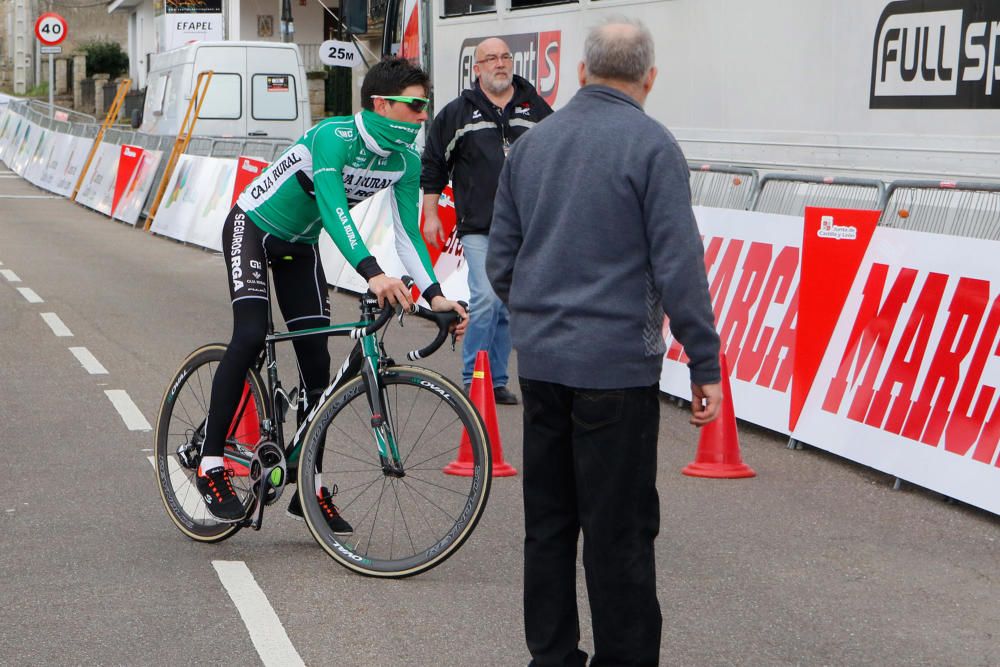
(937, 54)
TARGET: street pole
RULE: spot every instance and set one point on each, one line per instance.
(287, 24)
(52, 86)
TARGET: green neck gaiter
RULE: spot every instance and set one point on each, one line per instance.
(382, 135)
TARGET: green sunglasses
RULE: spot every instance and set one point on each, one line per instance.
(416, 104)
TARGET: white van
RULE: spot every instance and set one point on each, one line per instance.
(258, 89)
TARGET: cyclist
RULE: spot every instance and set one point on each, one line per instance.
(277, 221)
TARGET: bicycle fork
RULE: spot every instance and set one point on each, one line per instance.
(382, 432)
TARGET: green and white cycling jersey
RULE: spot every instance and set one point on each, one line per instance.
(337, 163)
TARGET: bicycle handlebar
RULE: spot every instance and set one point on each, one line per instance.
(442, 320)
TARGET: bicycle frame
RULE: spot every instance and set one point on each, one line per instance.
(365, 358)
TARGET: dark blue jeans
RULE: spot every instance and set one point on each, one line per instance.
(590, 465)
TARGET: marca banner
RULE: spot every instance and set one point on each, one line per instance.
(137, 188)
(98, 187)
(893, 358)
(834, 242)
(752, 260)
(248, 168)
(908, 382)
(128, 160)
(196, 201)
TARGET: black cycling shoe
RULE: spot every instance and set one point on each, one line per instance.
(336, 522)
(220, 498)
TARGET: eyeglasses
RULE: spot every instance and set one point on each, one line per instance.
(492, 60)
(416, 104)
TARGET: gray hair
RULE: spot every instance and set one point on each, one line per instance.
(620, 49)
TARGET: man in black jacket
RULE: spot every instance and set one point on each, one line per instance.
(468, 143)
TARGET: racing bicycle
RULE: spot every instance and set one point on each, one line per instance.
(380, 434)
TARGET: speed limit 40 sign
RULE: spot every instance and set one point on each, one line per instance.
(50, 29)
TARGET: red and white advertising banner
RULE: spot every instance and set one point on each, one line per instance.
(136, 190)
(55, 155)
(908, 380)
(196, 201)
(374, 220)
(13, 134)
(35, 166)
(98, 187)
(128, 159)
(449, 261)
(893, 359)
(752, 260)
(247, 169)
(21, 156)
(71, 161)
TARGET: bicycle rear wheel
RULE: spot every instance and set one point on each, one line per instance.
(402, 525)
(180, 431)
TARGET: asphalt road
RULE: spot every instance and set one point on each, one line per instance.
(816, 561)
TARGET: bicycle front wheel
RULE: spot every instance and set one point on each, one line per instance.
(408, 523)
(180, 431)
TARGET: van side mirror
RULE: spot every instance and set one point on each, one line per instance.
(136, 120)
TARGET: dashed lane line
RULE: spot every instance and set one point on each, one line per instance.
(128, 411)
(30, 295)
(57, 326)
(266, 632)
(10, 276)
(89, 361)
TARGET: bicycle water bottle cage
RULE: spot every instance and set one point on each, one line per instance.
(268, 475)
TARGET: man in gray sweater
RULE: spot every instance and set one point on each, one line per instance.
(593, 239)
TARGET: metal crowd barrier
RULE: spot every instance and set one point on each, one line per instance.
(722, 186)
(789, 194)
(944, 207)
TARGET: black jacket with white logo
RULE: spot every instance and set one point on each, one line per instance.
(467, 143)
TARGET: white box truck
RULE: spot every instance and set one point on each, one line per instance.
(258, 89)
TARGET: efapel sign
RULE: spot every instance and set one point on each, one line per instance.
(940, 54)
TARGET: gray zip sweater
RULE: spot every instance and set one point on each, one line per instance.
(593, 239)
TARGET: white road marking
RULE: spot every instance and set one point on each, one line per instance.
(10, 276)
(89, 361)
(30, 295)
(30, 197)
(57, 326)
(266, 631)
(130, 414)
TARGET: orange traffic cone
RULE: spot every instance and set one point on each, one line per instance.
(481, 395)
(719, 446)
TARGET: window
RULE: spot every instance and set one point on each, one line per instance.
(273, 97)
(462, 7)
(224, 98)
(158, 93)
(527, 4)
